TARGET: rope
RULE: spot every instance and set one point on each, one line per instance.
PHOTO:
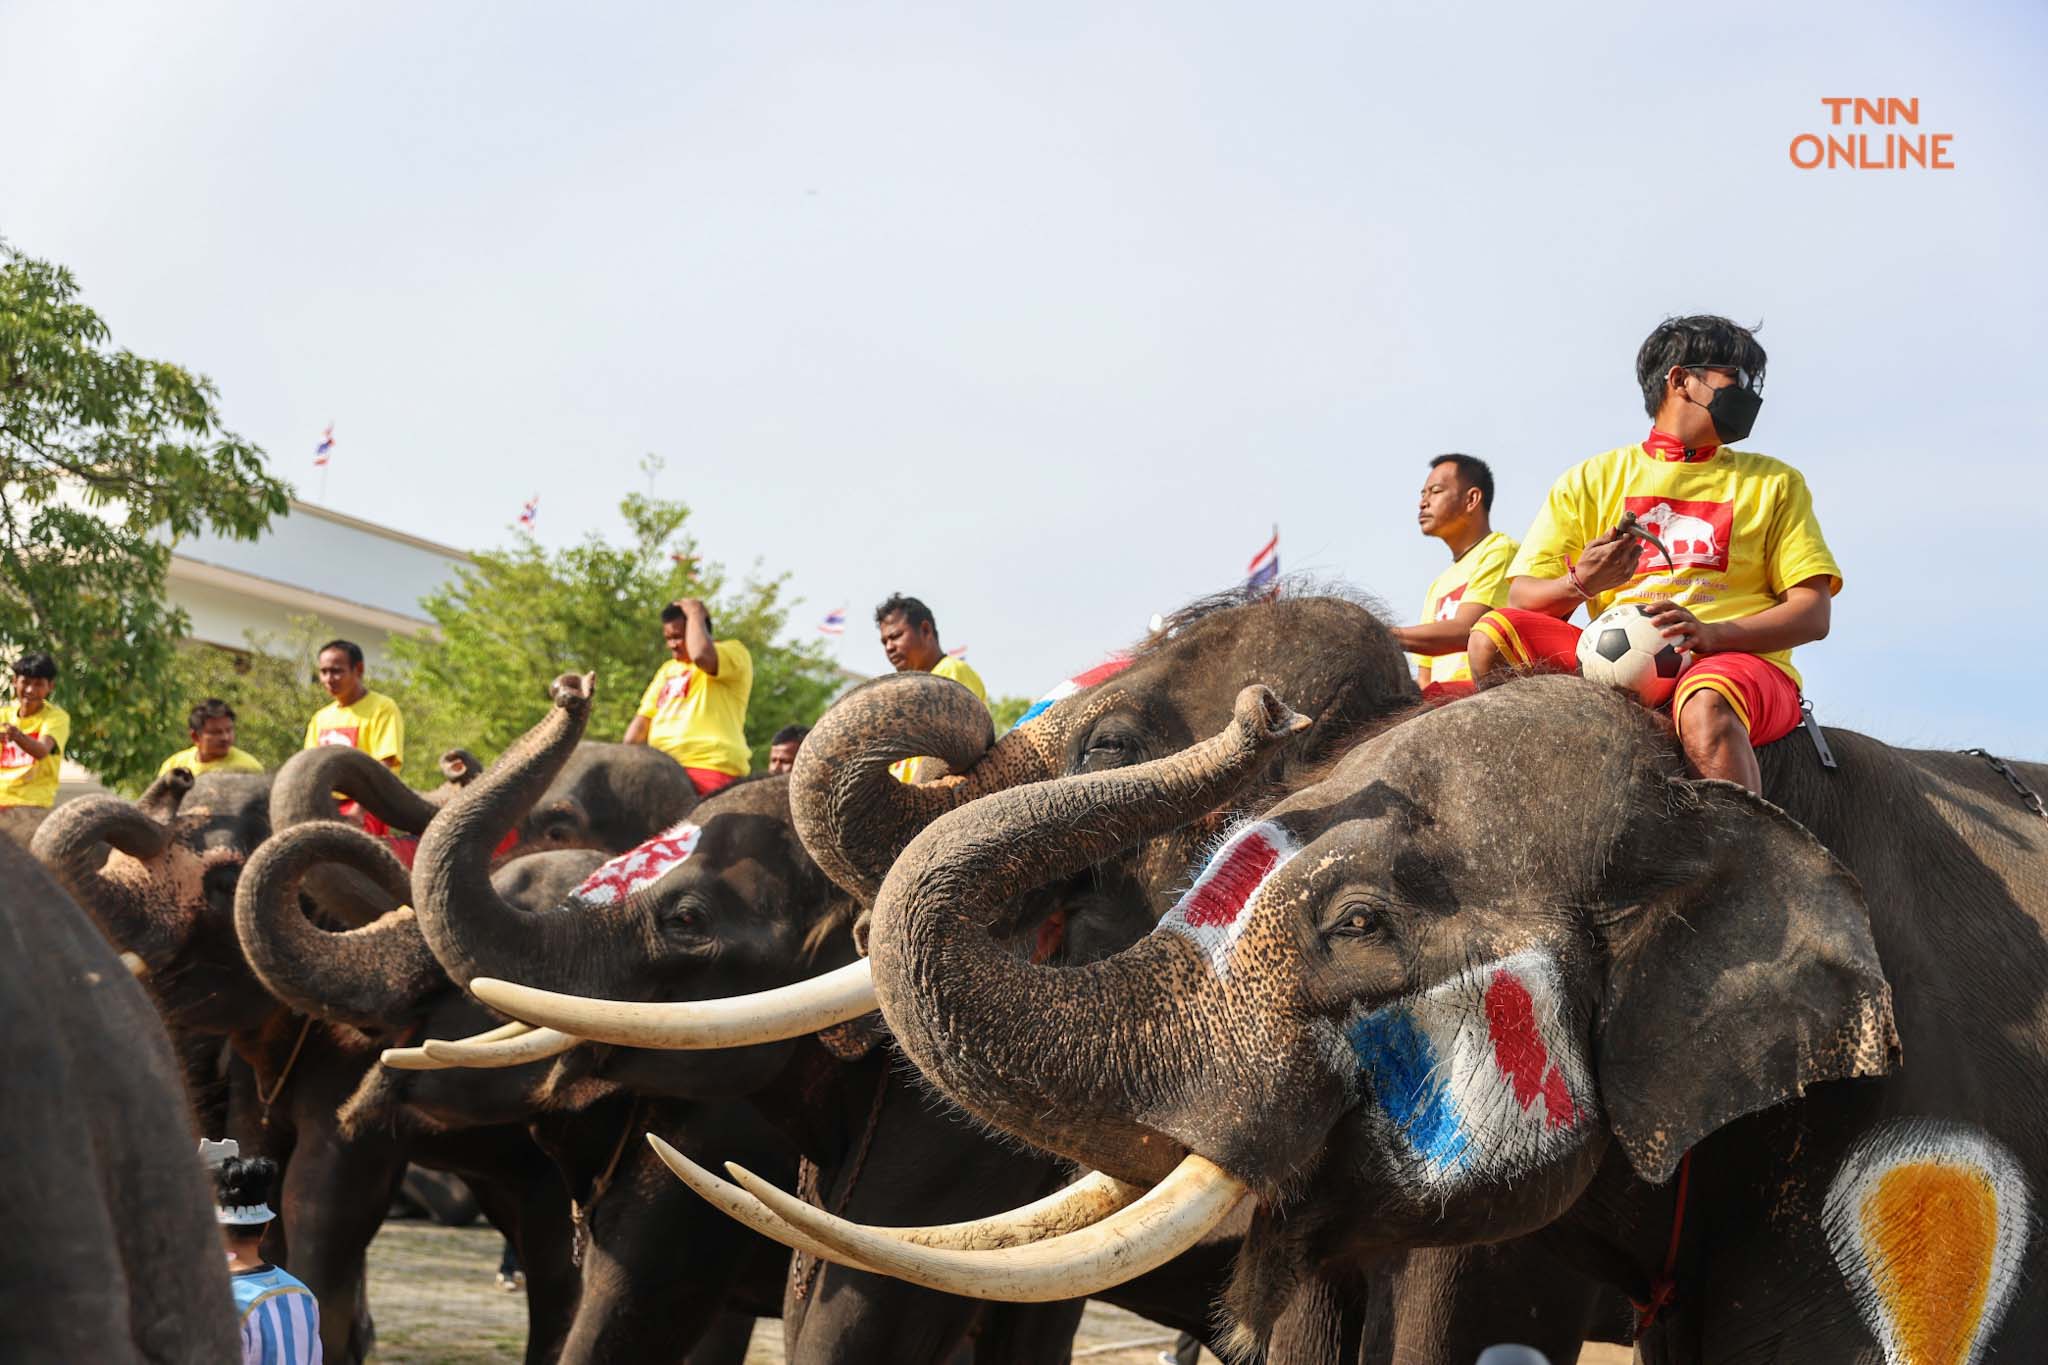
(278, 1088)
(1664, 1288)
(804, 1269)
(579, 1212)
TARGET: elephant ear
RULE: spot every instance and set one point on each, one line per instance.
(1747, 974)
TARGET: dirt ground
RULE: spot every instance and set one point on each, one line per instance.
(436, 1301)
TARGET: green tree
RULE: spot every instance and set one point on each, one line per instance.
(104, 458)
(519, 617)
(1006, 710)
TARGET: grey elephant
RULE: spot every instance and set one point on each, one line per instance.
(111, 1253)
(1505, 970)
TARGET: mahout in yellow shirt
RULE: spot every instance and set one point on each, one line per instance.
(905, 769)
(238, 760)
(1740, 528)
(1478, 575)
(371, 723)
(700, 719)
(26, 781)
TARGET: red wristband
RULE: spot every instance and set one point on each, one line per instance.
(1571, 575)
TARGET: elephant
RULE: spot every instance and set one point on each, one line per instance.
(640, 1300)
(112, 1252)
(166, 894)
(1334, 658)
(1506, 970)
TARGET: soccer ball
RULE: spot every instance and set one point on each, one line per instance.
(1624, 649)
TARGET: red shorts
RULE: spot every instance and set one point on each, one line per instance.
(1764, 697)
(707, 781)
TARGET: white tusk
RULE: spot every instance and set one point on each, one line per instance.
(1088, 1200)
(740, 1205)
(136, 966)
(416, 1058)
(535, 1045)
(1170, 1217)
(737, 1021)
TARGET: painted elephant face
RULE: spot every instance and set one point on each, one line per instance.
(1412, 1002)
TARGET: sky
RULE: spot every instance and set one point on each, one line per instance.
(1048, 313)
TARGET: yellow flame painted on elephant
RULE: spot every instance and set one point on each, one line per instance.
(1929, 1224)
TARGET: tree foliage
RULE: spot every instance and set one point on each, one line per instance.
(1006, 710)
(520, 617)
(104, 457)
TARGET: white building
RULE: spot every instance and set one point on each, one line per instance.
(363, 580)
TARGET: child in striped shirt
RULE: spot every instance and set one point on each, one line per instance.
(280, 1318)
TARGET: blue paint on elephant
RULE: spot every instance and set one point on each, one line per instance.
(1401, 1065)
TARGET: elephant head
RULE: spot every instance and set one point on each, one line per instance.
(1328, 659)
(159, 876)
(607, 796)
(1415, 1002)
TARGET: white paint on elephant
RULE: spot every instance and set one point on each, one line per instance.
(643, 866)
(1213, 913)
(1928, 1220)
(1478, 1079)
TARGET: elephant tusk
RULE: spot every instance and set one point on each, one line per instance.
(1168, 1219)
(737, 1021)
(416, 1058)
(743, 1207)
(534, 1045)
(1085, 1202)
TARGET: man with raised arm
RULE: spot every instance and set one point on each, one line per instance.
(695, 708)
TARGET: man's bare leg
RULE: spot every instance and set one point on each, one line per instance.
(1715, 741)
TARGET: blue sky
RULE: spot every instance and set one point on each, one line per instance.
(1046, 313)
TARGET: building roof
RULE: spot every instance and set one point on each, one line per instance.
(326, 562)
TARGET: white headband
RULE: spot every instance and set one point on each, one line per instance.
(243, 1215)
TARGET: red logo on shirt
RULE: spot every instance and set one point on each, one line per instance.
(1696, 533)
(1447, 605)
(343, 736)
(12, 755)
(677, 688)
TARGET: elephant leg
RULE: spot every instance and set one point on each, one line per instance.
(335, 1197)
(1029, 1333)
(532, 1212)
(1451, 1303)
(725, 1343)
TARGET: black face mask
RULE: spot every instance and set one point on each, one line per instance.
(1732, 411)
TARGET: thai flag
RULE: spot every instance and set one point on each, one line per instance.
(834, 622)
(957, 652)
(529, 512)
(1108, 668)
(1265, 565)
(321, 451)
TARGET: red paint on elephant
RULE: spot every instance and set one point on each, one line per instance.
(1522, 1055)
(645, 865)
(1222, 894)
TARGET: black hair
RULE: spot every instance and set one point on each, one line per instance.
(348, 647)
(1701, 339)
(213, 708)
(672, 612)
(1474, 471)
(240, 1182)
(915, 613)
(790, 734)
(36, 664)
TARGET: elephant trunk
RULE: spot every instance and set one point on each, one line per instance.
(472, 929)
(73, 844)
(1068, 1058)
(368, 976)
(852, 814)
(165, 795)
(304, 790)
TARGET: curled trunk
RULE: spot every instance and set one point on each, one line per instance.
(73, 844)
(472, 929)
(368, 976)
(305, 790)
(854, 817)
(1105, 1092)
(166, 794)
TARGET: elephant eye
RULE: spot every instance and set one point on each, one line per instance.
(1358, 920)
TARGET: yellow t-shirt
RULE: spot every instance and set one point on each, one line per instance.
(26, 781)
(905, 769)
(372, 724)
(699, 720)
(1740, 528)
(238, 761)
(1478, 575)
